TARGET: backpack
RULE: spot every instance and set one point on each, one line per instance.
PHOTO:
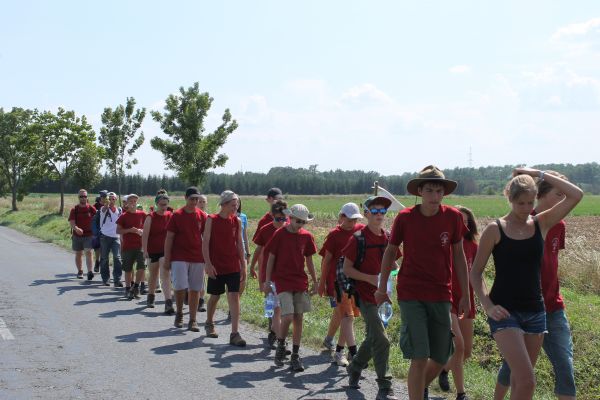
(345, 285)
(96, 224)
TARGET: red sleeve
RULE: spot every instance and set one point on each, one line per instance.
(349, 251)
(121, 219)
(273, 243)
(326, 245)
(397, 235)
(72, 214)
(311, 247)
(93, 210)
(260, 238)
(172, 226)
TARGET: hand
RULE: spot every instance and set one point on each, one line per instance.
(382, 297)
(266, 287)
(210, 271)
(497, 313)
(313, 289)
(321, 291)
(140, 232)
(534, 173)
(253, 273)
(464, 306)
(78, 231)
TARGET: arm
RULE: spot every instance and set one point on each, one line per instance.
(75, 228)
(246, 245)
(256, 257)
(168, 247)
(242, 252)
(489, 238)
(355, 274)
(388, 263)
(145, 234)
(210, 269)
(311, 270)
(268, 273)
(325, 261)
(462, 273)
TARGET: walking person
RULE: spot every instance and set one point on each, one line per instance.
(344, 310)
(225, 264)
(183, 256)
(101, 200)
(110, 241)
(130, 226)
(153, 244)
(290, 249)
(432, 238)
(273, 195)
(515, 305)
(557, 343)
(80, 219)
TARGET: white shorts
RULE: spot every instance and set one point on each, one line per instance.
(186, 275)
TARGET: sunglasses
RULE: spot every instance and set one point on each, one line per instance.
(376, 211)
(83, 197)
(300, 221)
(279, 219)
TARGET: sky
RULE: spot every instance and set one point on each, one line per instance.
(387, 86)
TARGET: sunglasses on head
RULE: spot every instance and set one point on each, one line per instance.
(279, 219)
(376, 211)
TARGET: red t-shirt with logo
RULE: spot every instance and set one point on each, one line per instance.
(188, 228)
(83, 218)
(224, 254)
(555, 241)
(289, 250)
(131, 241)
(262, 237)
(336, 240)
(372, 261)
(426, 273)
(158, 232)
(470, 249)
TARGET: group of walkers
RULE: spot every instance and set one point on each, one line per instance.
(442, 262)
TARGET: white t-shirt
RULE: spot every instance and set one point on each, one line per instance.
(108, 223)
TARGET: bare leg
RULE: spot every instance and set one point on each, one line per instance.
(276, 320)
(193, 297)
(165, 280)
(153, 280)
(284, 327)
(233, 300)
(79, 261)
(297, 334)
(211, 307)
(455, 364)
(88, 260)
(334, 323)
(140, 275)
(416, 378)
(179, 296)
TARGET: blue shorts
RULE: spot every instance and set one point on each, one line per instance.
(526, 322)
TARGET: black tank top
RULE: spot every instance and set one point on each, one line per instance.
(517, 285)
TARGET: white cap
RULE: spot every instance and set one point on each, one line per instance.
(351, 210)
(227, 196)
(299, 211)
(125, 198)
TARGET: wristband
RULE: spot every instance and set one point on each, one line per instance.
(542, 175)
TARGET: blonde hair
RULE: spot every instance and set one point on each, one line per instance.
(518, 185)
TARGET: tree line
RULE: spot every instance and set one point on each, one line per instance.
(309, 181)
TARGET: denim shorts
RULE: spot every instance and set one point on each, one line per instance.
(526, 322)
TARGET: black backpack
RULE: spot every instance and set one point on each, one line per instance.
(345, 285)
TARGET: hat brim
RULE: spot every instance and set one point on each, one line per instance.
(191, 196)
(354, 216)
(289, 213)
(384, 201)
(412, 186)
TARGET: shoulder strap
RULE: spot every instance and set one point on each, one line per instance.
(105, 216)
(361, 248)
(500, 228)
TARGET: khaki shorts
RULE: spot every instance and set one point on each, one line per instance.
(187, 275)
(294, 303)
(347, 307)
(80, 243)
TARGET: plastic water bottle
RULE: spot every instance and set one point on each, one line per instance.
(271, 302)
(385, 313)
(332, 302)
(390, 284)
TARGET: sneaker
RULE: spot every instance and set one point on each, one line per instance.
(386, 394)
(353, 377)
(340, 359)
(178, 320)
(462, 396)
(127, 293)
(209, 327)
(426, 394)
(272, 340)
(169, 310)
(90, 275)
(280, 355)
(329, 344)
(143, 288)
(158, 290)
(193, 326)
(150, 300)
(443, 381)
(201, 307)
(118, 284)
(79, 274)
(235, 339)
(296, 363)
(136, 292)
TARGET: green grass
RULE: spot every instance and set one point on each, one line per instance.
(37, 217)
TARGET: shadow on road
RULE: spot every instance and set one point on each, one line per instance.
(62, 278)
(136, 336)
(177, 347)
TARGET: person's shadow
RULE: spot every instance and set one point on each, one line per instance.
(136, 336)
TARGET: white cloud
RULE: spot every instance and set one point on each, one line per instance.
(578, 29)
(460, 69)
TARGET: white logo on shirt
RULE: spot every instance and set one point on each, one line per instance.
(555, 245)
(445, 238)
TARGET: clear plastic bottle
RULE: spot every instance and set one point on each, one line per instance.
(271, 302)
(385, 313)
(390, 284)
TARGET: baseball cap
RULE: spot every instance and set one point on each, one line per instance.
(192, 191)
(351, 210)
(227, 196)
(131, 195)
(384, 201)
(299, 211)
(275, 193)
(103, 193)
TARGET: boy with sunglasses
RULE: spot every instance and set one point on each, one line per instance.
(376, 345)
(289, 250)
(432, 235)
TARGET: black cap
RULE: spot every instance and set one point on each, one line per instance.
(192, 191)
(103, 193)
(274, 192)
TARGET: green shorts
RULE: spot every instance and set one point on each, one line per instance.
(130, 257)
(426, 330)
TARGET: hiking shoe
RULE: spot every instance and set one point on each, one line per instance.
(426, 394)
(193, 326)
(150, 300)
(209, 327)
(90, 276)
(296, 363)
(128, 292)
(443, 381)
(178, 320)
(169, 310)
(105, 283)
(118, 284)
(329, 344)
(235, 339)
(201, 307)
(340, 359)
(353, 377)
(79, 274)
(158, 289)
(134, 293)
(386, 394)
(280, 355)
(462, 396)
(97, 266)
(143, 288)
(272, 340)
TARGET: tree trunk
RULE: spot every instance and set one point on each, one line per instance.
(62, 196)
(14, 198)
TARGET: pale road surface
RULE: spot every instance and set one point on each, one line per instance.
(79, 340)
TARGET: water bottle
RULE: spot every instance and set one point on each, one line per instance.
(332, 302)
(390, 284)
(270, 302)
(385, 313)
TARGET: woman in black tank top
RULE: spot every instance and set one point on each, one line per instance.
(515, 306)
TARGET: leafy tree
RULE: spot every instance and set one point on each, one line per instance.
(86, 168)
(18, 166)
(120, 139)
(64, 137)
(189, 151)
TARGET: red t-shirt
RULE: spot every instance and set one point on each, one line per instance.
(158, 232)
(83, 218)
(224, 254)
(470, 249)
(371, 264)
(262, 237)
(131, 241)
(188, 228)
(426, 273)
(289, 250)
(336, 240)
(262, 222)
(555, 241)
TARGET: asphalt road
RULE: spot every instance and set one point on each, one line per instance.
(63, 338)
